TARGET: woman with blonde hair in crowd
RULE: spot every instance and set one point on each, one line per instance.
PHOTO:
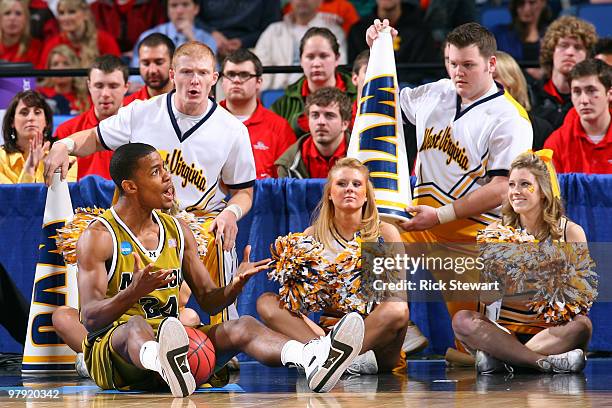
(26, 129)
(16, 43)
(522, 336)
(66, 95)
(509, 74)
(79, 32)
(347, 210)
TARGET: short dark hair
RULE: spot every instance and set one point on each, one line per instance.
(156, 39)
(108, 64)
(30, 99)
(321, 32)
(243, 55)
(593, 67)
(361, 60)
(328, 95)
(124, 162)
(603, 46)
(473, 34)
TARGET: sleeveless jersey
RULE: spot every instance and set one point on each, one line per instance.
(205, 161)
(162, 302)
(458, 150)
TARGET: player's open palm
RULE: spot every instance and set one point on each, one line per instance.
(247, 269)
(145, 280)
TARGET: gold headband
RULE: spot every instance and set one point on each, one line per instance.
(546, 156)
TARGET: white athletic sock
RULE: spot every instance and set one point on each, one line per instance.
(149, 356)
(292, 353)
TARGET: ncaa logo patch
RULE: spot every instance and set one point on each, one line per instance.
(126, 248)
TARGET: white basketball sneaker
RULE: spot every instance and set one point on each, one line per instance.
(487, 364)
(80, 367)
(173, 347)
(364, 364)
(325, 359)
(570, 362)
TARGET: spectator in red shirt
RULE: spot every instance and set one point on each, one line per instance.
(583, 144)
(107, 83)
(155, 53)
(66, 95)
(16, 44)
(125, 20)
(270, 133)
(78, 31)
(329, 116)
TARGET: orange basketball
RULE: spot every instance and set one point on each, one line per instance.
(201, 355)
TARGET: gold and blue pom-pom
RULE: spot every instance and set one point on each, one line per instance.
(566, 283)
(196, 225)
(68, 236)
(562, 275)
(302, 272)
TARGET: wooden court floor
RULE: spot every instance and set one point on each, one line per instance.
(427, 383)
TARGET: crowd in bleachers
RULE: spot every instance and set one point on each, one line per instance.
(320, 36)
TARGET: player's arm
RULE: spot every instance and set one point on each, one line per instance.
(94, 248)
(211, 298)
(80, 144)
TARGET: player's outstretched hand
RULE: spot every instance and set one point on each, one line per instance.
(56, 159)
(225, 227)
(247, 269)
(145, 280)
(374, 29)
(424, 218)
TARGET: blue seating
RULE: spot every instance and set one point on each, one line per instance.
(492, 16)
(600, 15)
(268, 97)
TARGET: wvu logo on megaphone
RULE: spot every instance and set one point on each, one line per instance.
(378, 101)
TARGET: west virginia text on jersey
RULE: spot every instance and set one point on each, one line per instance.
(460, 146)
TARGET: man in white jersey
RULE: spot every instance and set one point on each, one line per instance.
(206, 149)
(469, 129)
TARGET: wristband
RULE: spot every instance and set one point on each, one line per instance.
(446, 213)
(69, 143)
(235, 208)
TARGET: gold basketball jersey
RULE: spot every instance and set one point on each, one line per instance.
(162, 302)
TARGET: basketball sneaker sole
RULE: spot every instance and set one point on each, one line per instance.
(173, 347)
(346, 341)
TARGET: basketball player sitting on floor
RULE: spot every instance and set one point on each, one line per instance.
(132, 260)
(521, 337)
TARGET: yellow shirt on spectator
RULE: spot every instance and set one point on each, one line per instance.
(12, 170)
